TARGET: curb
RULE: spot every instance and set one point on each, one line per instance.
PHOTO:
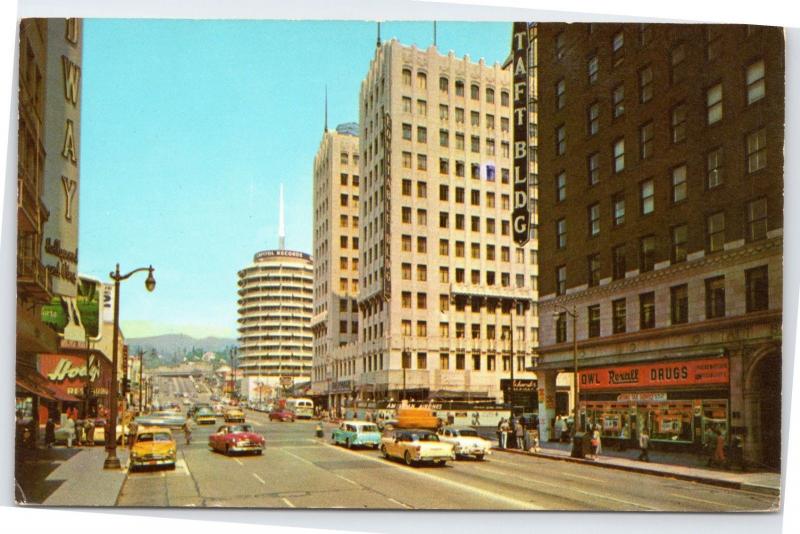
(655, 472)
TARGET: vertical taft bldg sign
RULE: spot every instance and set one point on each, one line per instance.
(521, 215)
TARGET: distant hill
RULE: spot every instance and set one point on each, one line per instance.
(179, 344)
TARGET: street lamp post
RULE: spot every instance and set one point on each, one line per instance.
(112, 461)
(575, 385)
(141, 372)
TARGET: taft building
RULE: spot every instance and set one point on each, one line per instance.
(661, 210)
(336, 248)
(442, 286)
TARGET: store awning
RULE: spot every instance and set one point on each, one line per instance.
(447, 394)
(35, 383)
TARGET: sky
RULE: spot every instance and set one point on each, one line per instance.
(187, 130)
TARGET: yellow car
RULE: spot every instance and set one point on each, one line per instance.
(204, 416)
(234, 415)
(153, 446)
(416, 446)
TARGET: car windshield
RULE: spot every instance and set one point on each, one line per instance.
(242, 428)
(204, 411)
(153, 436)
(468, 433)
(427, 436)
(368, 428)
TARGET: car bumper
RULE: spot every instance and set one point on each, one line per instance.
(206, 421)
(434, 457)
(248, 447)
(142, 462)
(367, 442)
(473, 451)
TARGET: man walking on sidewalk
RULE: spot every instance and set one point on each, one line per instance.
(644, 445)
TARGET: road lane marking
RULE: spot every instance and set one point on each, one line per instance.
(561, 487)
(238, 461)
(309, 462)
(709, 502)
(404, 505)
(182, 464)
(288, 502)
(581, 477)
(411, 470)
(353, 482)
(259, 479)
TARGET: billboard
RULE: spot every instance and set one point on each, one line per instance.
(653, 375)
(76, 318)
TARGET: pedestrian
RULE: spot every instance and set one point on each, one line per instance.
(519, 432)
(89, 430)
(719, 449)
(644, 445)
(69, 426)
(500, 432)
(50, 433)
(624, 436)
(505, 430)
(534, 437)
(187, 430)
(709, 443)
(596, 443)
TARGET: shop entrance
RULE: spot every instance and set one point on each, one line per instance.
(765, 385)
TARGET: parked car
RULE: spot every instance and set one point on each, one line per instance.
(204, 416)
(281, 414)
(415, 446)
(234, 415)
(100, 432)
(465, 441)
(164, 419)
(236, 438)
(357, 433)
(153, 446)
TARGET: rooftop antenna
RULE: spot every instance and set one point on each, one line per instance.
(326, 107)
(378, 43)
(434, 33)
(281, 226)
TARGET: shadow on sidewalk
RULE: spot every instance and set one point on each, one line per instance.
(31, 469)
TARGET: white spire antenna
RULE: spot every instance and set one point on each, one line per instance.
(281, 225)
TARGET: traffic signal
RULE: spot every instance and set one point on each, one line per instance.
(126, 385)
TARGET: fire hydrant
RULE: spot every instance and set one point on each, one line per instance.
(319, 430)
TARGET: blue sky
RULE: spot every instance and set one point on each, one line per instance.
(188, 127)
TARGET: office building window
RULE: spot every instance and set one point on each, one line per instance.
(713, 41)
(646, 135)
(560, 93)
(715, 232)
(422, 190)
(444, 361)
(407, 132)
(647, 197)
(593, 164)
(444, 274)
(406, 303)
(680, 238)
(618, 100)
(617, 51)
(476, 361)
(407, 77)
(422, 134)
(647, 310)
(560, 45)
(618, 316)
(444, 85)
(593, 267)
(679, 304)
(755, 82)
(405, 213)
(422, 81)
(678, 118)
(645, 34)
(406, 104)
(422, 108)
(593, 118)
(618, 265)
(460, 361)
(593, 320)
(715, 297)
(561, 328)
(561, 186)
(757, 219)
(459, 88)
(619, 155)
(561, 233)
(619, 208)
(561, 140)
(678, 63)
(647, 253)
(757, 288)
(757, 150)
(504, 98)
(592, 67)
(422, 245)
(645, 84)
(679, 187)
(406, 271)
(593, 213)
(714, 104)
(444, 112)
(714, 168)
(561, 280)
(474, 92)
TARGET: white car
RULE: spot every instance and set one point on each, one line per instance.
(465, 441)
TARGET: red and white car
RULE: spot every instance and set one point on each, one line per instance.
(236, 438)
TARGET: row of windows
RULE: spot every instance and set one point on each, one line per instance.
(444, 140)
(460, 361)
(444, 87)
(756, 299)
(756, 229)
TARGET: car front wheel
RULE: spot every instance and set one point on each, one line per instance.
(479, 457)
(407, 458)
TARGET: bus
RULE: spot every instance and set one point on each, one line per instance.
(302, 408)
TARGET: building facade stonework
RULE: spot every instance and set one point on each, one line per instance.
(661, 217)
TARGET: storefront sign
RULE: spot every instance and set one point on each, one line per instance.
(282, 254)
(521, 216)
(641, 397)
(654, 375)
(67, 373)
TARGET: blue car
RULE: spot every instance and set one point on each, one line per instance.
(357, 434)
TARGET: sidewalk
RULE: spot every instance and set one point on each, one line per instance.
(68, 477)
(684, 466)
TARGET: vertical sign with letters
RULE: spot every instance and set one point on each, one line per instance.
(520, 216)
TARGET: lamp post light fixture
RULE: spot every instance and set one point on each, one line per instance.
(112, 461)
(575, 386)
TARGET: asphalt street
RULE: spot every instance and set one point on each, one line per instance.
(298, 470)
